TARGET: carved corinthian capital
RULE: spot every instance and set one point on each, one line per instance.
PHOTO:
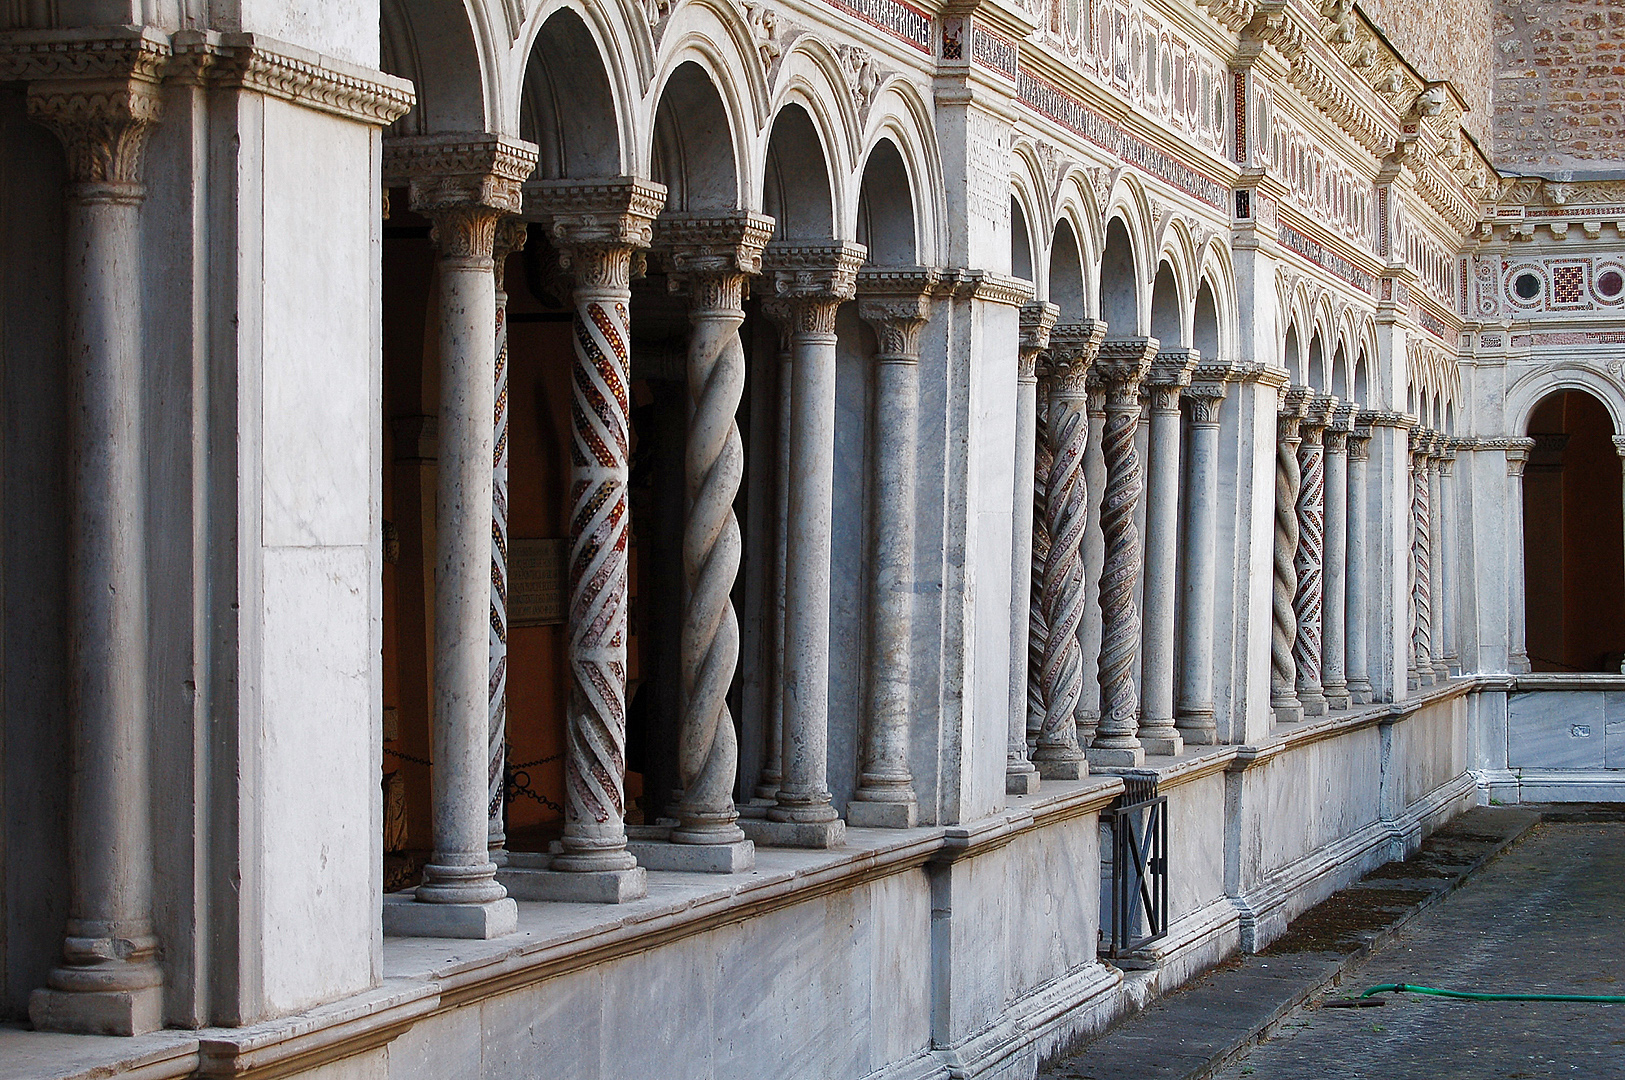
(896, 301)
(103, 125)
(464, 183)
(808, 282)
(1037, 320)
(596, 224)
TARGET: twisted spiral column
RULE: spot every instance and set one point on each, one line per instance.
(1441, 602)
(510, 237)
(1284, 619)
(1121, 367)
(596, 227)
(1094, 561)
(1421, 561)
(1037, 320)
(1310, 559)
(1073, 346)
(1037, 631)
(713, 257)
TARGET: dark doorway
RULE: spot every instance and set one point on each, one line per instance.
(1574, 539)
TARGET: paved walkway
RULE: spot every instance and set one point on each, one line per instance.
(1546, 917)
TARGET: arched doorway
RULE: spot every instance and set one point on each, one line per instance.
(1574, 538)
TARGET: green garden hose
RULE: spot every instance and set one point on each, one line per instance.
(1412, 988)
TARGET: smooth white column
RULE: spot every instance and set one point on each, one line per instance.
(1284, 619)
(895, 303)
(1193, 710)
(1170, 373)
(1334, 561)
(1119, 370)
(108, 982)
(1358, 580)
(1310, 562)
(1037, 319)
(1517, 455)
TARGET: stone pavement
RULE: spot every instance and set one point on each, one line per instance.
(1193, 1033)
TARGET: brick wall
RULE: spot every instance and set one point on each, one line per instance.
(1558, 86)
(1445, 39)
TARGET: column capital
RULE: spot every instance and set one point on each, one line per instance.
(1289, 417)
(1037, 320)
(1205, 397)
(1073, 349)
(1360, 444)
(1317, 414)
(103, 123)
(711, 255)
(896, 301)
(1339, 426)
(613, 212)
(1170, 373)
(1619, 445)
(1123, 364)
(809, 283)
(1517, 452)
(1385, 418)
(464, 182)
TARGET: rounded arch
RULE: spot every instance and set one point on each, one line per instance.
(1318, 372)
(1217, 276)
(1022, 264)
(568, 106)
(1292, 353)
(899, 116)
(1526, 393)
(1206, 336)
(1066, 279)
(886, 219)
(1167, 307)
(796, 184)
(1119, 279)
(812, 75)
(438, 47)
(694, 150)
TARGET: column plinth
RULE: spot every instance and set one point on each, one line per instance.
(1358, 580)
(465, 186)
(1170, 373)
(1064, 370)
(1020, 775)
(1334, 561)
(1119, 370)
(108, 981)
(1284, 619)
(1193, 711)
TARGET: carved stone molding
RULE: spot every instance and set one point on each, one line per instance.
(711, 255)
(986, 286)
(1382, 418)
(103, 126)
(275, 69)
(1073, 348)
(464, 182)
(1037, 320)
(808, 282)
(1170, 373)
(895, 302)
(111, 53)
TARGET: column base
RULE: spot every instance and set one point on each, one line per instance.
(1314, 703)
(1114, 757)
(1063, 768)
(1021, 783)
(528, 878)
(1197, 728)
(865, 814)
(1441, 673)
(796, 834)
(1337, 696)
(1360, 693)
(406, 916)
(734, 858)
(1288, 714)
(98, 1012)
(1162, 743)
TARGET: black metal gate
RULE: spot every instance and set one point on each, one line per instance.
(1139, 886)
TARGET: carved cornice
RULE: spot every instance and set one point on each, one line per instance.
(808, 282)
(1074, 346)
(276, 69)
(460, 171)
(114, 54)
(617, 212)
(1261, 373)
(1384, 418)
(1123, 364)
(986, 285)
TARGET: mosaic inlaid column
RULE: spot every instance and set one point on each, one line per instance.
(1094, 561)
(808, 283)
(1310, 560)
(1284, 617)
(1121, 367)
(1037, 319)
(1193, 710)
(510, 238)
(1439, 586)
(895, 303)
(1357, 667)
(1517, 455)
(1037, 632)
(1334, 605)
(1170, 374)
(1065, 373)
(465, 186)
(713, 257)
(597, 227)
(108, 981)
(1421, 561)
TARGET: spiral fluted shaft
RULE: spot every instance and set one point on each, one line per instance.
(1310, 567)
(1061, 675)
(1037, 629)
(497, 730)
(1283, 682)
(1120, 622)
(708, 749)
(1421, 551)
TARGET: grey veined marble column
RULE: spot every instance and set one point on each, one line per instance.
(895, 303)
(1441, 596)
(1065, 371)
(1334, 605)
(1121, 367)
(510, 237)
(1094, 561)
(714, 257)
(1447, 554)
(1170, 374)
(1358, 580)
(1310, 561)
(1193, 710)
(108, 981)
(1517, 455)
(1284, 619)
(465, 186)
(1421, 561)
(1037, 319)
(809, 282)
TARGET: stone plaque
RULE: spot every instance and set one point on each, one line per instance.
(538, 582)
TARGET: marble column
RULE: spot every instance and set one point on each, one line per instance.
(895, 302)
(510, 237)
(1284, 629)
(1170, 374)
(1439, 586)
(1193, 710)
(1310, 561)
(1421, 560)
(108, 981)
(1037, 319)
(1357, 668)
(1119, 370)
(713, 257)
(808, 283)
(1334, 561)
(465, 185)
(1065, 372)
(1517, 455)
(1447, 554)
(767, 784)
(1037, 632)
(1094, 561)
